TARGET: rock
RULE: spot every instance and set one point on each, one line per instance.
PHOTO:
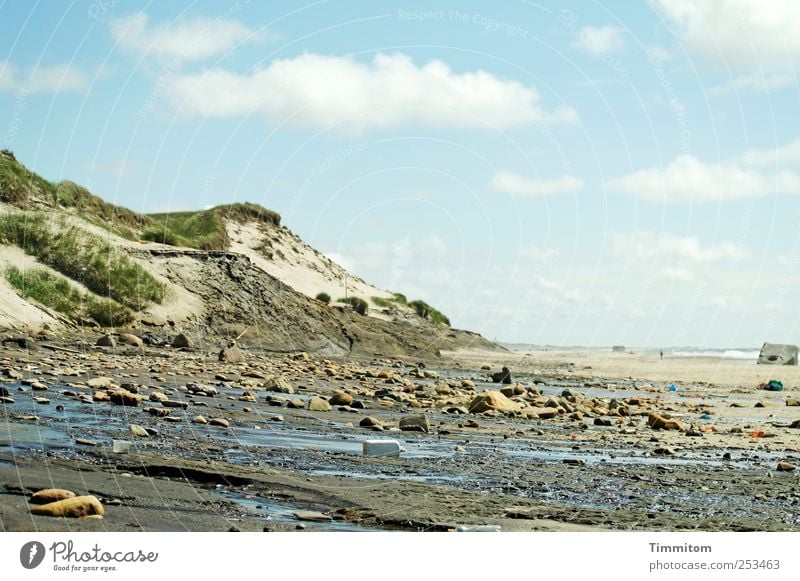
(603, 422)
(106, 341)
(415, 423)
(664, 452)
(311, 515)
(199, 420)
(221, 422)
(49, 495)
(38, 386)
(158, 396)
(457, 409)
(248, 396)
(85, 442)
(158, 412)
(232, 354)
(181, 341)
(491, 401)
(658, 422)
(278, 384)
(175, 404)
(786, 467)
(512, 391)
(317, 404)
(100, 382)
(502, 376)
(124, 398)
(174, 419)
(302, 356)
(101, 396)
(795, 424)
(6, 400)
(369, 422)
(341, 398)
(130, 339)
(4, 392)
(138, 431)
(764, 404)
(296, 404)
(201, 389)
(77, 507)
(41, 400)
(793, 402)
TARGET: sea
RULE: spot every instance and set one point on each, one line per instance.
(738, 353)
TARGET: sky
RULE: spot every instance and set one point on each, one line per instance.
(565, 173)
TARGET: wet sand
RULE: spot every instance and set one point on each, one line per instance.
(604, 469)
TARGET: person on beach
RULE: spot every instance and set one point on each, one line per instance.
(662, 354)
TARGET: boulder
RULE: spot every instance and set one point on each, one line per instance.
(49, 495)
(181, 341)
(415, 423)
(106, 341)
(793, 402)
(278, 384)
(658, 422)
(175, 404)
(786, 467)
(124, 398)
(370, 422)
(199, 420)
(158, 396)
(341, 398)
(232, 354)
(221, 422)
(99, 382)
(491, 401)
(795, 424)
(317, 404)
(130, 339)
(513, 390)
(138, 431)
(502, 376)
(297, 404)
(77, 507)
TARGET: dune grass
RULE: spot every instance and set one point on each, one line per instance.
(56, 293)
(82, 257)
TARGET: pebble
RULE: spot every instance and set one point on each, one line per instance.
(138, 431)
(219, 422)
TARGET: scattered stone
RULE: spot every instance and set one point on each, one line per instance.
(42, 400)
(456, 409)
(100, 382)
(158, 396)
(296, 404)
(221, 422)
(793, 402)
(764, 404)
(6, 400)
(602, 422)
(38, 386)
(77, 507)
(664, 452)
(124, 398)
(49, 495)
(106, 341)
(491, 401)
(199, 420)
(175, 404)
(181, 341)
(795, 424)
(138, 431)
(317, 404)
(174, 419)
(658, 422)
(85, 442)
(786, 467)
(341, 398)
(512, 391)
(415, 423)
(101, 396)
(158, 412)
(370, 422)
(131, 339)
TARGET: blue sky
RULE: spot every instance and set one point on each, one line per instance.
(572, 173)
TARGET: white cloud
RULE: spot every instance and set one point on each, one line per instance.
(539, 254)
(784, 155)
(600, 40)
(738, 33)
(547, 284)
(757, 82)
(686, 179)
(116, 168)
(43, 79)
(516, 185)
(322, 91)
(650, 246)
(726, 301)
(184, 40)
(677, 274)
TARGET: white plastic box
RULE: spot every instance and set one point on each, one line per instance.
(382, 448)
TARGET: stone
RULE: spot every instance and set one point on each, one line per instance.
(793, 402)
(181, 341)
(38, 386)
(369, 422)
(6, 400)
(248, 396)
(41, 400)
(415, 423)
(764, 404)
(341, 398)
(174, 419)
(603, 422)
(158, 396)
(138, 431)
(77, 507)
(101, 396)
(296, 404)
(199, 420)
(512, 390)
(786, 467)
(312, 515)
(124, 398)
(317, 404)
(456, 409)
(106, 341)
(158, 412)
(658, 422)
(278, 384)
(491, 401)
(221, 422)
(795, 424)
(302, 356)
(175, 404)
(85, 442)
(49, 495)
(100, 382)
(232, 354)
(130, 339)
(502, 376)
(4, 392)
(201, 389)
